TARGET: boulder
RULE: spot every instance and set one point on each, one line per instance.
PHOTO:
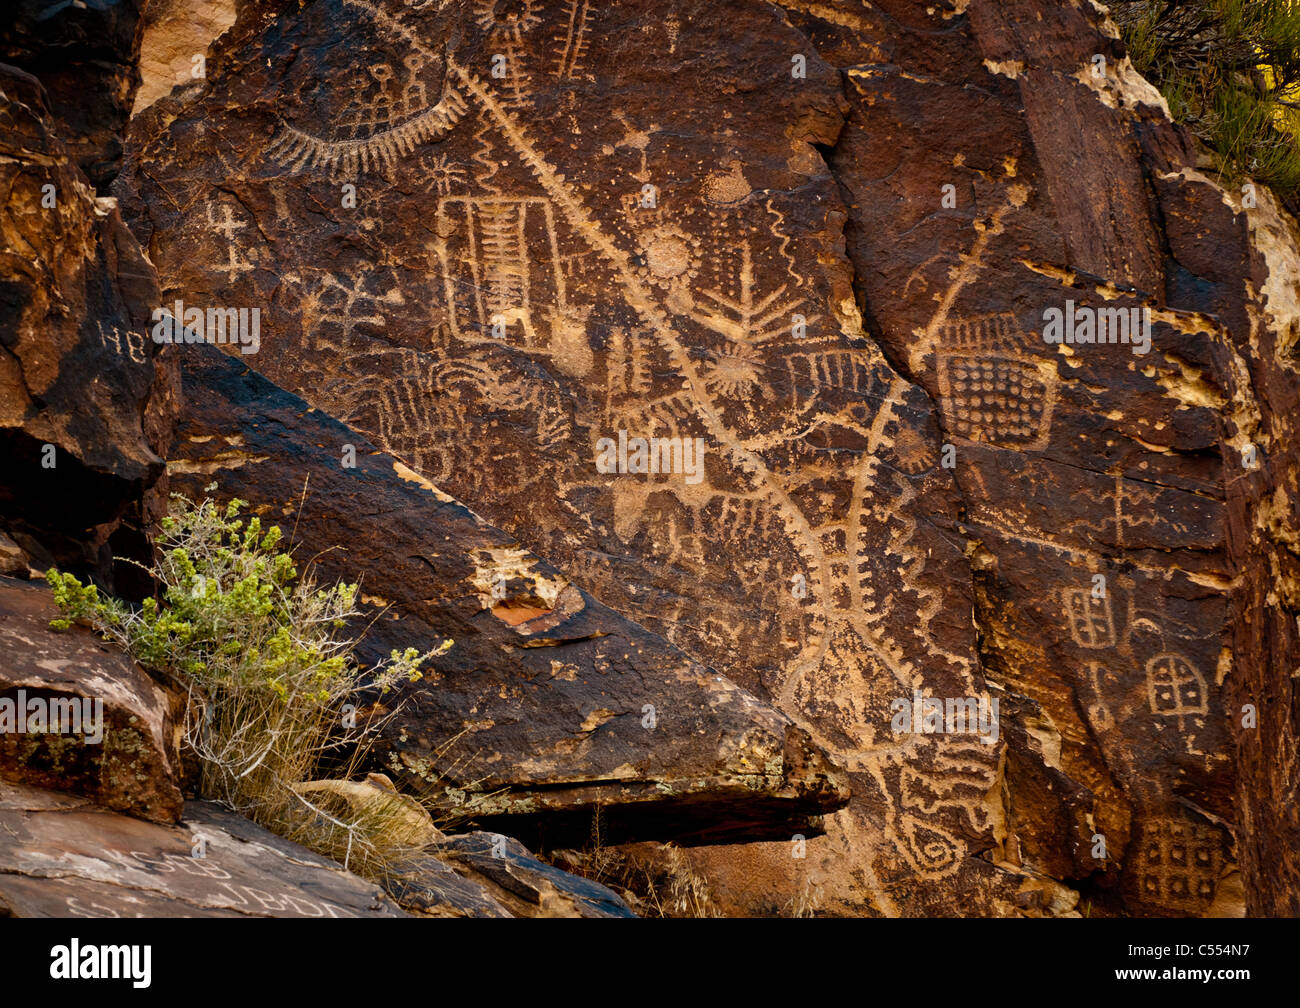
(77, 715)
(62, 856)
(529, 887)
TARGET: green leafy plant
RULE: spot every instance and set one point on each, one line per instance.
(1230, 71)
(264, 658)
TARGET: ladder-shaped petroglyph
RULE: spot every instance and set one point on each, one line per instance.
(503, 278)
(507, 23)
(573, 43)
(991, 390)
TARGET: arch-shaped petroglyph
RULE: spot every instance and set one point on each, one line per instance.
(384, 115)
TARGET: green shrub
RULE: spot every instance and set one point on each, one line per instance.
(266, 665)
(1230, 71)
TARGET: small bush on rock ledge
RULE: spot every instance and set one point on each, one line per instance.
(268, 670)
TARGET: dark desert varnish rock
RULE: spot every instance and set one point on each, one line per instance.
(824, 239)
(86, 402)
(549, 704)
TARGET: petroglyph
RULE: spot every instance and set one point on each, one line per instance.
(222, 220)
(1179, 864)
(991, 390)
(573, 43)
(1176, 689)
(1089, 618)
(381, 113)
(703, 314)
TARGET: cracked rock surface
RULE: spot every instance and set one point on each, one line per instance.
(813, 248)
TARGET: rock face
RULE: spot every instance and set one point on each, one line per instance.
(76, 715)
(531, 888)
(86, 399)
(822, 273)
(84, 54)
(64, 857)
(173, 49)
(549, 704)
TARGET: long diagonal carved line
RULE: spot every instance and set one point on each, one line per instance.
(643, 302)
(796, 524)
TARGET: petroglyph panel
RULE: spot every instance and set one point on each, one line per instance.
(555, 247)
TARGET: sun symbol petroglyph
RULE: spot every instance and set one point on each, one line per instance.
(506, 21)
(444, 175)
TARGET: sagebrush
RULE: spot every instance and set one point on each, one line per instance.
(264, 658)
(1230, 71)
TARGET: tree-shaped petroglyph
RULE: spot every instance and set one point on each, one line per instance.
(745, 323)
